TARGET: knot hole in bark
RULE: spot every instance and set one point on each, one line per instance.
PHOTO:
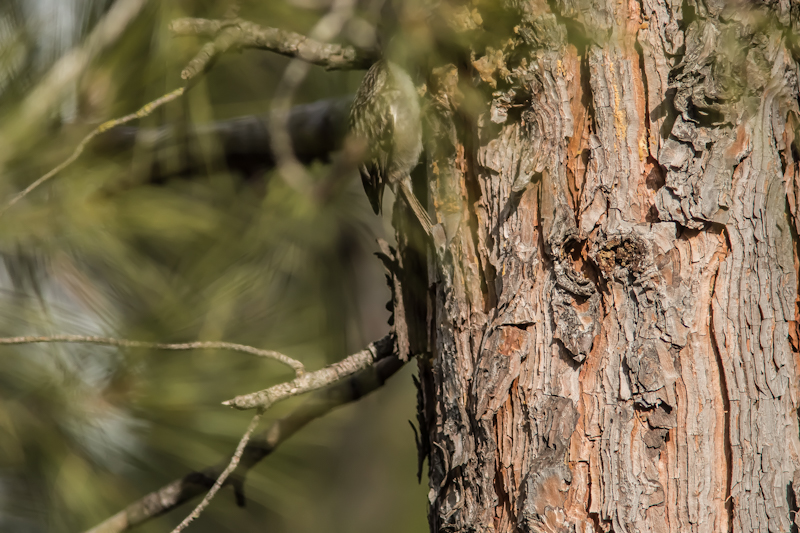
(620, 256)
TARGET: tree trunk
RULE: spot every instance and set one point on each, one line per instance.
(611, 300)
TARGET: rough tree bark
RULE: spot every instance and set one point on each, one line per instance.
(611, 323)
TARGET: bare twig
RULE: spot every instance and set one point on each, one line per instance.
(238, 33)
(64, 72)
(234, 462)
(142, 112)
(178, 492)
(296, 365)
(307, 382)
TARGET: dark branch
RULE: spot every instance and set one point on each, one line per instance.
(316, 130)
(180, 491)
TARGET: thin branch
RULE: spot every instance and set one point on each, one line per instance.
(296, 365)
(237, 33)
(180, 491)
(234, 462)
(263, 399)
(142, 112)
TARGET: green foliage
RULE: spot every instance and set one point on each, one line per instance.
(102, 250)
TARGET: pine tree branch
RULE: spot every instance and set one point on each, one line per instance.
(316, 130)
(232, 464)
(107, 125)
(237, 34)
(178, 492)
(310, 381)
(296, 365)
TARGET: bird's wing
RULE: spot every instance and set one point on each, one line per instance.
(371, 118)
(373, 185)
(374, 169)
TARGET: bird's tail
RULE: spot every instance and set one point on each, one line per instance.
(416, 207)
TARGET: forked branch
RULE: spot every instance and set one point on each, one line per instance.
(232, 464)
(178, 492)
(237, 34)
(263, 399)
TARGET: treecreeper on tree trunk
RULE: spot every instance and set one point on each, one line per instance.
(385, 117)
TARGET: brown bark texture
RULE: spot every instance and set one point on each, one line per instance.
(611, 327)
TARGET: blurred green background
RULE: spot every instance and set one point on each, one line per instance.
(101, 250)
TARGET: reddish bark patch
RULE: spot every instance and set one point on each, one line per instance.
(512, 341)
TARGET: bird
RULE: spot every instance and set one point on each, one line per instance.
(386, 118)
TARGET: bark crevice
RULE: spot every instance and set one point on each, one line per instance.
(630, 222)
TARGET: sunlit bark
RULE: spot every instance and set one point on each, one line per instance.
(612, 318)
